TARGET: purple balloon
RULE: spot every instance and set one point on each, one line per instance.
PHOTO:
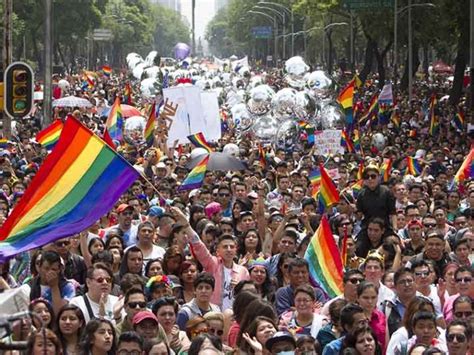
(181, 51)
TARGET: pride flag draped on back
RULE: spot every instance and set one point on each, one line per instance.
(78, 182)
(49, 136)
(324, 259)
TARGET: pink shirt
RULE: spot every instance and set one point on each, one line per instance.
(378, 324)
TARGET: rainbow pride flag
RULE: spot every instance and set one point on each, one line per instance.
(434, 120)
(328, 194)
(79, 182)
(199, 141)
(325, 261)
(458, 120)
(356, 187)
(373, 109)
(114, 123)
(196, 176)
(346, 141)
(356, 140)
(360, 171)
(89, 77)
(413, 166)
(149, 132)
(261, 156)
(466, 170)
(315, 179)
(396, 119)
(49, 136)
(107, 70)
(346, 99)
(127, 94)
(3, 143)
(385, 169)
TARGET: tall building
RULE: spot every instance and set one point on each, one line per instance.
(220, 4)
(172, 4)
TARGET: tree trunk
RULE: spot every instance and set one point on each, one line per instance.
(38, 56)
(369, 59)
(426, 60)
(380, 56)
(460, 65)
(330, 59)
(416, 63)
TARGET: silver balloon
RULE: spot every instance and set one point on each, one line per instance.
(379, 141)
(331, 116)
(296, 69)
(152, 72)
(242, 118)
(284, 101)
(320, 83)
(265, 128)
(260, 99)
(305, 106)
(287, 135)
(234, 97)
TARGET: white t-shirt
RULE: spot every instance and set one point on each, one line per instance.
(109, 306)
(228, 294)
(156, 252)
(433, 296)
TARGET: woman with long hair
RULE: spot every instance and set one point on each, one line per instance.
(260, 329)
(69, 325)
(187, 274)
(43, 342)
(153, 267)
(282, 275)
(363, 340)
(196, 213)
(172, 260)
(99, 338)
(43, 309)
(259, 274)
(249, 246)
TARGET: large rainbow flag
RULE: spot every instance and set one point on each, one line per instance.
(346, 99)
(149, 132)
(78, 182)
(49, 136)
(114, 123)
(324, 259)
(328, 194)
(196, 176)
(315, 179)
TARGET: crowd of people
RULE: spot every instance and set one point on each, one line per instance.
(221, 269)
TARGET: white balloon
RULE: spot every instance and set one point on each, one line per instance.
(378, 141)
(138, 70)
(196, 152)
(64, 85)
(149, 87)
(135, 122)
(265, 128)
(152, 72)
(150, 58)
(231, 149)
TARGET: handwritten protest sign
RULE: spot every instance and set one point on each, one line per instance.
(328, 142)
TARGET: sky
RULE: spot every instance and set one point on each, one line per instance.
(204, 13)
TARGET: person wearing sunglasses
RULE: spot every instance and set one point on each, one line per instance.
(215, 324)
(350, 280)
(458, 337)
(134, 302)
(374, 200)
(463, 278)
(97, 302)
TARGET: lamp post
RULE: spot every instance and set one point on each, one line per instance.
(283, 19)
(471, 61)
(398, 12)
(290, 12)
(275, 50)
(327, 27)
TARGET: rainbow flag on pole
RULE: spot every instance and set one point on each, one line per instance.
(199, 141)
(79, 182)
(346, 141)
(107, 70)
(434, 120)
(356, 141)
(346, 99)
(196, 176)
(127, 94)
(385, 169)
(466, 171)
(261, 156)
(458, 120)
(315, 179)
(325, 261)
(49, 136)
(328, 194)
(149, 132)
(114, 123)
(413, 166)
(373, 109)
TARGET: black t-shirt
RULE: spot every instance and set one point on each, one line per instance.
(376, 203)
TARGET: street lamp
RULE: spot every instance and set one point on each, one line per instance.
(327, 27)
(283, 17)
(275, 50)
(290, 12)
(398, 12)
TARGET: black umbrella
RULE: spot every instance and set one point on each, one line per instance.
(218, 161)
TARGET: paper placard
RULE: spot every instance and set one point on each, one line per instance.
(328, 142)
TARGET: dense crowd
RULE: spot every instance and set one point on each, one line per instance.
(221, 269)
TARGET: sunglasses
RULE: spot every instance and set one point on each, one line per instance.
(62, 244)
(213, 331)
(461, 314)
(460, 338)
(429, 225)
(371, 177)
(464, 279)
(136, 304)
(224, 195)
(422, 273)
(356, 281)
(102, 279)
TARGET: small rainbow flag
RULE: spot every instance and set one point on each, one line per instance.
(372, 110)
(49, 136)
(357, 81)
(89, 76)
(385, 169)
(396, 119)
(346, 98)
(3, 143)
(114, 123)
(315, 179)
(466, 171)
(107, 70)
(356, 187)
(196, 176)
(325, 261)
(360, 171)
(356, 140)
(127, 94)
(199, 141)
(346, 141)
(413, 166)
(77, 183)
(328, 194)
(149, 132)
(458, 120)
(434, 120)
(261, 156)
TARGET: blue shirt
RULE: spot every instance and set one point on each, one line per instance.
(334, 347)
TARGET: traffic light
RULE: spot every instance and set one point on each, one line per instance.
(18, 90)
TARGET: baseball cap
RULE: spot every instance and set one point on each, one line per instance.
(277, 337)
(156, 211)
(123, 207)
(142, 315)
